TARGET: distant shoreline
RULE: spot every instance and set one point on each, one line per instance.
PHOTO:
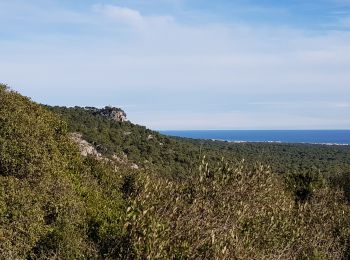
(313, 137)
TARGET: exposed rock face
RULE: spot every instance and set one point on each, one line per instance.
(113, 113)
(134, 166)
(85, 147)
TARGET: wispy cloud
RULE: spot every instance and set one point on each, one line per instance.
(130, 17)
(121, 14)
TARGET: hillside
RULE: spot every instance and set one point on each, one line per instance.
(184, 201)
(178, 157)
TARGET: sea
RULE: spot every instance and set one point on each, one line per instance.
(328, 137)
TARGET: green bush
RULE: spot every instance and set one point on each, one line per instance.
(230, 212)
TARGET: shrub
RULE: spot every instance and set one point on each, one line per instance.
(230, 212)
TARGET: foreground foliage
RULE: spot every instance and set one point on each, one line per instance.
(230, 212)
(55, 204)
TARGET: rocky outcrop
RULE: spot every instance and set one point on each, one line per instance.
(112, 113)
(85, 147)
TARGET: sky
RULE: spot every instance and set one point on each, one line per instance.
(185, 64)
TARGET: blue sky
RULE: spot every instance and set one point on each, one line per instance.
(185, 64)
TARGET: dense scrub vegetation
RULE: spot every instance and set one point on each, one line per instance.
(179, 155)
(302, 165)
(230, 212)
(56, 204)
(147, 148)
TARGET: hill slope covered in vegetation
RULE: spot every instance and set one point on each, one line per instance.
(301, 165)
(57, 204)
